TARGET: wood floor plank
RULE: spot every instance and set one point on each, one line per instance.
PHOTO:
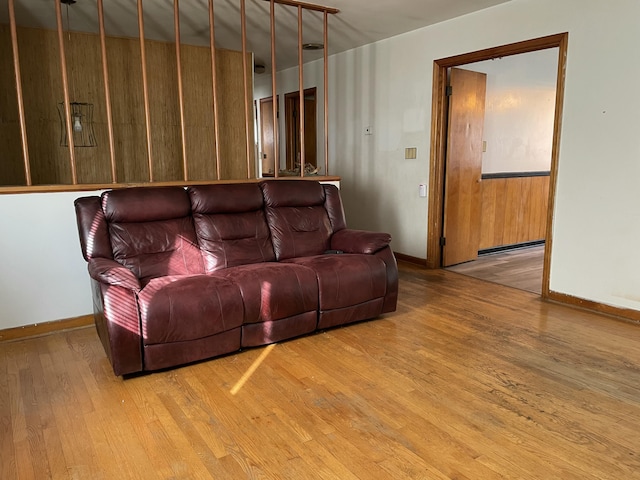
(380, 430)
(51, 402)
(467, 380)
(7, 439)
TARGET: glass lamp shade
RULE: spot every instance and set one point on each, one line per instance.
(81, 125)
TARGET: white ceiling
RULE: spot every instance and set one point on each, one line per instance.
(359, 22)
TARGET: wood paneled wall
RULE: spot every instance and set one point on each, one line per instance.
(11, 163)
(42, 90)
(127, 110)
(514, 210)
(234, 133)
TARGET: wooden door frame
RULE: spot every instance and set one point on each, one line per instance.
(439, 138)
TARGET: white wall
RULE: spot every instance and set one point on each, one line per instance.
(519, 111)
(43, 275)
(387, 85)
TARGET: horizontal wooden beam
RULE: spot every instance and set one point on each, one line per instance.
(307, 6)
(88, 187)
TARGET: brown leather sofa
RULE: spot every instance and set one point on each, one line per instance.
(180, 275)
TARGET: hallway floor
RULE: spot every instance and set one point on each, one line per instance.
(519, 268)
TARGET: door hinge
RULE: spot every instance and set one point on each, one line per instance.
(443, 241)
(449, 91)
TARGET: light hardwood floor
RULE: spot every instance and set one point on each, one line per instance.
(467, 380)
(519, 268)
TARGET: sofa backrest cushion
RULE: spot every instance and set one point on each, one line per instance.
(297, 217)
(152, 232)
(230, 225)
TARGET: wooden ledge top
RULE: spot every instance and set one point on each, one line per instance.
(109, 186)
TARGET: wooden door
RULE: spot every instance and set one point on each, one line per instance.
(463, 167)
(310, 127)
(267, 136)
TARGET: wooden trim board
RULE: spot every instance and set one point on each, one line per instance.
(625, 313)
(38, 329)
(422, 262)
(110, 186)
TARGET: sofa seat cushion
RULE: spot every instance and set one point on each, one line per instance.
(273, 291)
(182, 308)
(345, 280)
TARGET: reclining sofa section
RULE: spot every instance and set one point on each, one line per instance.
(180, 275)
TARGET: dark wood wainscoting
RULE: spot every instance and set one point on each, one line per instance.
(514, 210)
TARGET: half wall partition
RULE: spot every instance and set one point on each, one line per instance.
(164, 111)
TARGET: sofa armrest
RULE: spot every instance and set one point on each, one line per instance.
(110, 272)
(359, 241)
(115, 311)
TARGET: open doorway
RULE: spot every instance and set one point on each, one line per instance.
(292, 144)
(437, 240)
(500, 131)
(292, 128)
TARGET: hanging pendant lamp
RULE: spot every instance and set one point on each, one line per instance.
(81, 125)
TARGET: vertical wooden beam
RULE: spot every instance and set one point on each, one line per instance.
(326, 93)
(145, 88)
(214, 86)
(274, 103)
(107, 94)
(245, 79)
(301, 91)
(65, 90)
(176, 22)
(16, 68)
